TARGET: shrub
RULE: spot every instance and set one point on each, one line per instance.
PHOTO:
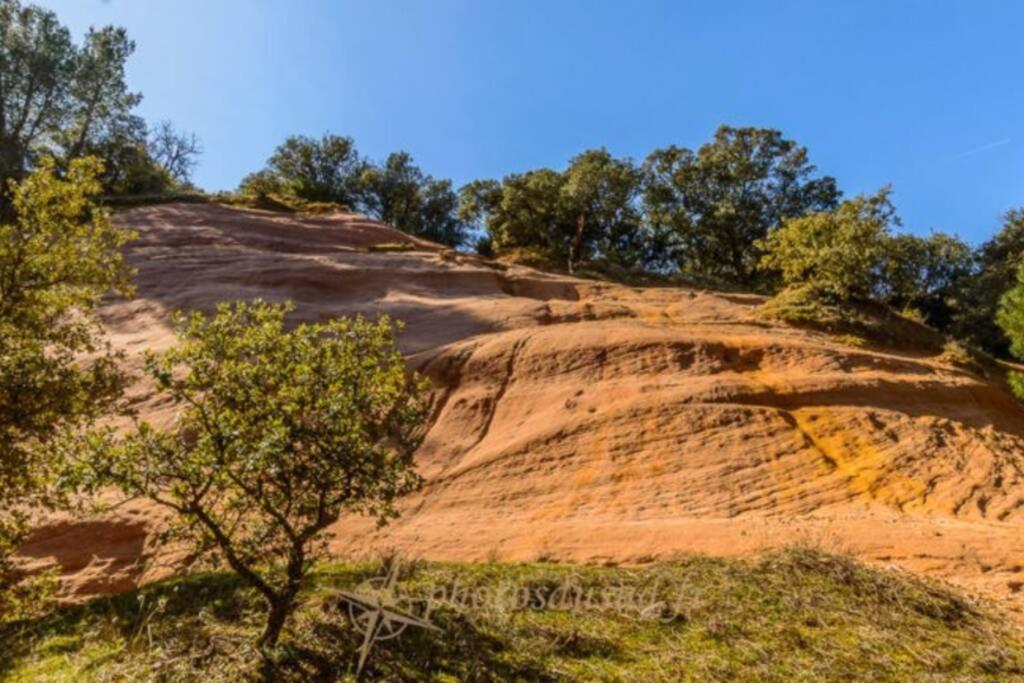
(837, 253)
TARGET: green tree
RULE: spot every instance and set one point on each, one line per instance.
(839, 254)
(280, 432)
(100, 103)
(399, 194)
(58, 258)
(718, 202)
(324, 170)
(927, 274)
(602, 192)
(997, 261)
(524, 210)
(588, 211)
(1010, 318)
(57, 98)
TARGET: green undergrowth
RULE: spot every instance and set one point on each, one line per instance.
(871, 323)
(789, 616)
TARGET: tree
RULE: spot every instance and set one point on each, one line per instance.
(601, 192)
(718, 202)
(280, 432)
(997, 261)
(524, 210)
(1010, 318)
(64, 100)
(58, 258)
(399, 194)
(38, 62)
(175, 152)
(839, 253)
(324, 170)
(588, 211)
(927, 274)
(100, 103)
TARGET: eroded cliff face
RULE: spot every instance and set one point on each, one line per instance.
(589, 422)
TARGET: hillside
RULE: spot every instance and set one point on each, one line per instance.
(590, 422)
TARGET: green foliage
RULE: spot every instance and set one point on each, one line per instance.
(927, 274)
(65, 100)
(280, 432)
(395, 192)
(1010, 318)
(590, 210)
(261, 184)
(324, 170)
(711, 207)
(399, 194)
(795, 615)
(838, 253)
(996, 266)
(58, 258)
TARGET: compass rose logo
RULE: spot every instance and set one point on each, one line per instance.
(375, 609)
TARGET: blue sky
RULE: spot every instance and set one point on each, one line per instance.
(928, 96)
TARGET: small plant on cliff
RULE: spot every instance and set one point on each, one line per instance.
(280, 433)
(58, 257)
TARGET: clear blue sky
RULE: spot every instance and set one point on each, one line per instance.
(926, 95)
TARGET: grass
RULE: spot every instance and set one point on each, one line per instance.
(794, 615)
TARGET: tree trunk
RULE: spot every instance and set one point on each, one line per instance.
(577, 240)
(276, 616)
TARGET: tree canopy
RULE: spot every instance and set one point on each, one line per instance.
(589, 211)
(716, 203)
(65, 100)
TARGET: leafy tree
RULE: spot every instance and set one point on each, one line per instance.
(718, 202)
(324, 170)
(58, 258)
(524, 210)
(399, 194)
(55, 97)
(602, 193)
(38, 62)
(1010, 318)
(280, 432)
(839, 253)
(589, 211)
(927, 274)
(65, 100)
(997, 261)
(100, 104)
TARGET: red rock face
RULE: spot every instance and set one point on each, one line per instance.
(590, 422)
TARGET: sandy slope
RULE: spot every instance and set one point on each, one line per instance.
(599, 423)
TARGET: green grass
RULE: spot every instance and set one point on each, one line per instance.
(799, 615)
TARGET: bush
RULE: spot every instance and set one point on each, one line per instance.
(837, 253)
